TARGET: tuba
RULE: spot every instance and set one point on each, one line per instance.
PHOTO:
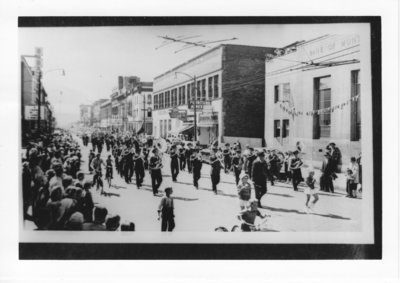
(161, 145)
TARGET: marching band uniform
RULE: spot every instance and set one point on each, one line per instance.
(227, 158)
(155, 171)
(174, 163)
(197, 164)
(295, 166)
(139, 169)
(215, 173)
(237, 165)
(182, 158)
(188, 154)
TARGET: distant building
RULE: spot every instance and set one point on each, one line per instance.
(140, 105)
(84, 115)
(312, 96)
(230, 86)
(95, 113)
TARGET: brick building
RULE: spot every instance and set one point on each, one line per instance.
(230, 83)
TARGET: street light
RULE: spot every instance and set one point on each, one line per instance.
(194, 90)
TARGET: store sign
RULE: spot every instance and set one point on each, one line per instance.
(177, 113)
(208, 119)
(31, 112)
(334, 45)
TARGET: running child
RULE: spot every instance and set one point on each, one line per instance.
(311, 191)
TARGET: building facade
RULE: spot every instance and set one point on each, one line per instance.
(105, 115)
(95, 113)
(29, 102)
(312, 96)
(229, 87)
(141, 105)
(84, 111)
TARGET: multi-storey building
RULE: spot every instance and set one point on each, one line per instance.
(228, 84)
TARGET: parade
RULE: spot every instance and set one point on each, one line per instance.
(60, 183)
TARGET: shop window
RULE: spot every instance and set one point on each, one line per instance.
(355, 132)
(169, 125)
(276, 93)
(285, 128)
(277, 128)
(179, 96)
(216, 86)
(166, 99)
(322, 99)
(203, 90)
(188, 88)
(174, 97)
(198, 91)
(210, 88)
(183, 95)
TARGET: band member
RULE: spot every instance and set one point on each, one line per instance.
(109, 170)
(260, 173)
(128, 165)
(139, 169)
(237, 165)
(227, 158)
(91, 157)
(155, 170)
(188, 154)
(249, 162)
(295, 166)
(197, 163)
(216, 167)
(174, 163)
(146, 158)
(182, 157)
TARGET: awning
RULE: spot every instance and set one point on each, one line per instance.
(186, 129)
(141, 129)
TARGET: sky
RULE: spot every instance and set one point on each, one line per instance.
(94, 57)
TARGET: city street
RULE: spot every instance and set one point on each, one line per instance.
(201, 210)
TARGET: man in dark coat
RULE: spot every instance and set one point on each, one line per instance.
(259, 175)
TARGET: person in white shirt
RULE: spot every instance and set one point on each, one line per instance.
(352, 178)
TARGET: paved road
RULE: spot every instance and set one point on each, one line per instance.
(201, 210)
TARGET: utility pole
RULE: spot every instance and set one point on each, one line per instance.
(39, 98)
(144, 108)
(195, 110)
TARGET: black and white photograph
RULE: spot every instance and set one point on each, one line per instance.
(174, 133)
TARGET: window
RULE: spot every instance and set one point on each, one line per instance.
(203, 90)
(169, 125)
(183, 95)
(188, 88)
(276, 92)
(355, 120)
(277, 128)
(159, 102)
(322, 99)
(198, 90)
(180, 96)
(286, 92)
(149, 99)
(156, 102)
(161, 128)
(174, 97)
(210, 88)
(167, 99)
(216, 89)
(285, 128)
